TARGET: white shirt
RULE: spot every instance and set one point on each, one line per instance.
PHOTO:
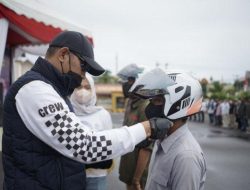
(225, 107)
(47, 116)
(96, 117)
(177, 163)
(98, 121)
(204, 106)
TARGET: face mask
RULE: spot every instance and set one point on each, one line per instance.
(154, 111)
(71, 81)
(83, 96)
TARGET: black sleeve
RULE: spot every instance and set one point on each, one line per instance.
(100, 165)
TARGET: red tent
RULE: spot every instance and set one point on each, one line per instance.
(27, 22)
(21, 23)
(23, 30)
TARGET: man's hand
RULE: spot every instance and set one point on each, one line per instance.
(159, 127)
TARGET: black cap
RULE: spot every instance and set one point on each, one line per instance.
(81, 46)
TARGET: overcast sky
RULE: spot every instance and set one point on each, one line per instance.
(205, 37)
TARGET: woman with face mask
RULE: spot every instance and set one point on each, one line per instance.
(83, 101)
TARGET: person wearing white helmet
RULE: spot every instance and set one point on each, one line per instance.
(177, 160)
(133, 167)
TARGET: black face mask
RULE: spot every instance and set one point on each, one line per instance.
(154, 111)
(71, 81)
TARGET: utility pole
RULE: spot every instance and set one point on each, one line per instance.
(166, 66)
(157, 64)
(116, 63)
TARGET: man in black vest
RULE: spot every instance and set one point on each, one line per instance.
(45, 146)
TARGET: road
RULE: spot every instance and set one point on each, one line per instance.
(227, 155)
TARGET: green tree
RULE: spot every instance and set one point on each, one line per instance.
(217, 91)
(204, 83)
(106, 78)
(243, 95)
(238, 85)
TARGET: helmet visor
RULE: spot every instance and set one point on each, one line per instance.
(151, 84)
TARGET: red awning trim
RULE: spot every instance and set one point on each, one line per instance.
(27, 30)
(36, 29)
(24, 34)
(14, 39)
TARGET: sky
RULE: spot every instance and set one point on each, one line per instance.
(208, 38)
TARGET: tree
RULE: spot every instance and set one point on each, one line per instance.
(243, 95)
(217, 91)
(106, 78)
(204, 83)
(238, 85)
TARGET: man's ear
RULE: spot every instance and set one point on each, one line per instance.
(63, 54)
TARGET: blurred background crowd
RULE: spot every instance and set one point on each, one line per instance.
(234, 114)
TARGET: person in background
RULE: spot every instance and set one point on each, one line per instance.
(177, 161)
(194, 117)
(238, 103)
(83, 101)
(126, 86)
(225, 108)
(218, 118)
(232, 114)
(201, 114)
(248, 115)
(211, 107)
(133, 165)
(45, 145)
(242, 115)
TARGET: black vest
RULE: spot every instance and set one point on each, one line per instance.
(29, 163)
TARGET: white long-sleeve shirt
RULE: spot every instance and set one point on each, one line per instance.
(48, 117)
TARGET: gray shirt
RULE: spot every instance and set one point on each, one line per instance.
(177, 163)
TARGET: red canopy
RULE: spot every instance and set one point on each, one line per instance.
(23, 30)
(21, 23)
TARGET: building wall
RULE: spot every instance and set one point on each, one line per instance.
(20, 68)
(110, 97)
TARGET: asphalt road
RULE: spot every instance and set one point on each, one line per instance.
(227, 155)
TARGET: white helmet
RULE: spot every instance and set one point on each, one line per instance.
(182, 92)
